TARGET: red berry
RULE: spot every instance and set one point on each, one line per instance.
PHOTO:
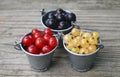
(52, 42)
(46, 49)
(27, 40)
(41, 52)
(47, 37)
(37, 35)
(31, 38)
(40, 42)
(48, 31)
(32, 49)
(34, 31)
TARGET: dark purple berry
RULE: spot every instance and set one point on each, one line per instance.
(63, 25)
(51, 23)
(60, 17)
(70, 17)
(60, 11)
(51, 16)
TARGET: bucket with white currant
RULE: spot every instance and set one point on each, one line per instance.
(82, 47)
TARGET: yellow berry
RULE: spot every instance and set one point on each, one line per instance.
(75, 50)
(67, 38)
(95, 35)
(70, 45)
(75, 32)
(92, 41)
(92, 48)
(83, 51)
(82, 33)
(77, 41)
(86, 35)
(84, 43)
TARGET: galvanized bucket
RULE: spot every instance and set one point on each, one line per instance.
(44, 17)
(83, 62)
(38, 62)
(64, 31)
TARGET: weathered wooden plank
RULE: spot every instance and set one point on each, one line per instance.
(78, 12)
(94, 73)
(99, 15)
(92, 4)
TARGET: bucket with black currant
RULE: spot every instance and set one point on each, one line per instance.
(82, 47)
(59, 21)
(39, 47)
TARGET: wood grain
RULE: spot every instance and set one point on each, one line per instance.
(18, 17)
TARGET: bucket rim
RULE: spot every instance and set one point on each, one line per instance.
(83, 54)
(36, 54)
(55, 29)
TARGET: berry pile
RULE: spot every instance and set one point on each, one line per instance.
(39, 42)
(81, 42)
(60, 19)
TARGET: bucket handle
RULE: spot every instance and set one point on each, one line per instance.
(42, 12)
(17, 45)
(101, 46)
(75, 25)
(58, 35)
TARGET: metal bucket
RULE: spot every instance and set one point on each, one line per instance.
(38, 62)
(44, 17)
(83, 62)
(64, 31)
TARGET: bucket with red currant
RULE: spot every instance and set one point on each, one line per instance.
(82, 47)
(39, 47)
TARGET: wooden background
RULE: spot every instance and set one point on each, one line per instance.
(18, 17)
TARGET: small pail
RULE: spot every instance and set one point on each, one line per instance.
(38, 62)
(83, 62)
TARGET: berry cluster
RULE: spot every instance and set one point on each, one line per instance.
(39, 42)
(81, 42)
(59, 19)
